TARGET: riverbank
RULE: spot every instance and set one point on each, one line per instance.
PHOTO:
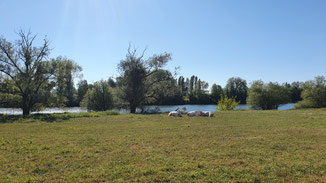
(245, 146)
(163, 108)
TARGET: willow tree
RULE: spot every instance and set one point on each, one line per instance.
(139, 78)
(27, 66)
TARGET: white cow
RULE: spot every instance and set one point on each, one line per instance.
(175, 113)
(194, 113)
(207, 114)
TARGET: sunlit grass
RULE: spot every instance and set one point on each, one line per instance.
(245, 146)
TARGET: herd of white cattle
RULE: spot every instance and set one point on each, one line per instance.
(181, 112)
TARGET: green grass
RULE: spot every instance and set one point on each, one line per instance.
(52, 117)
(235, 146)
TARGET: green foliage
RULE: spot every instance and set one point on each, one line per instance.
(227, 104)
(10, 100)
(112, 83)
(9, 94)
(99, 98)
(182, 85)
(313, 94)
(237, 88)
(65, 91)
(194, 90)
(216, 93)
(296, 91)
(268, 96)
(304, 104)
(165, 92)
(81, 91)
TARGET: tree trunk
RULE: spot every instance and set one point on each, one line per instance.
(26, 110)
(26, 107)
(132, 109)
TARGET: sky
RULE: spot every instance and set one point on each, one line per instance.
(270, 40)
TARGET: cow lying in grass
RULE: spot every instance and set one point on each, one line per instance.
(194, 113)
(175, 113)
(200, 113)
(207, 114)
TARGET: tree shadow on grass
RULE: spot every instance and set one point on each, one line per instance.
(34, 117)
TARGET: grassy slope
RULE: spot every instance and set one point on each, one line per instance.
(253, 146)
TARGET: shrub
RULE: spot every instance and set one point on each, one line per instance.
(303, 104)
(227, 104)
(313, 94)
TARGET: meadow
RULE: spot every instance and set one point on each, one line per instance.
(234, 146)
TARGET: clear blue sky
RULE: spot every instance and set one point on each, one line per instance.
(272, 40)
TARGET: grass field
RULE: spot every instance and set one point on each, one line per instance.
(244, 146)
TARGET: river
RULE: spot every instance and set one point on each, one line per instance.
(165, 108)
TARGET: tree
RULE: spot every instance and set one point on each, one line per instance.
(138, 77)
(187, 85)
(237, 88)
(216, 92)
(182, 86)
(65, 89)
(99, 98)
(296, 90)
(191, 84)
(268, 96)
(27, 66)
(166, 92)
(313, 94)
(112, 83)
(81, 90)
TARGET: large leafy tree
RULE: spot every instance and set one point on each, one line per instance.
(237, 88)
(139, 77)
(268, 96)
(27, 66)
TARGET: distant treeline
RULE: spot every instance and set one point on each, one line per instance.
(193, 90)
(31, 81)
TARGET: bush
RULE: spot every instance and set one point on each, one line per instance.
(303, 104)
(268, 96)
(227, 104)
(313, 94)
